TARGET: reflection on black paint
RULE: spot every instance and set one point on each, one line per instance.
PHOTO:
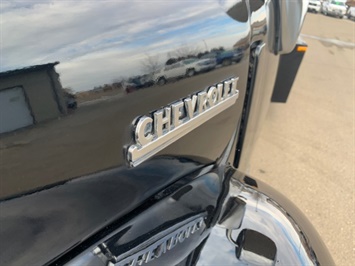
(181, 192)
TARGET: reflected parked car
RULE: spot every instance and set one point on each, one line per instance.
(137, 82)
(184, 68)
(334, 8)
(170, 72)
(238, 55)
(194, 65)
(351, 13)
(314, 6)
(70, 100)
(225, 58)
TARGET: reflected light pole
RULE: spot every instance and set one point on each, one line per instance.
(205, 45)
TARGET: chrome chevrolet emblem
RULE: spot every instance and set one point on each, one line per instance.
(154, 133)
(149, 251)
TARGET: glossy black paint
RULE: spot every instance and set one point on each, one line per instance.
(71, 212)
(92, 138)
(65, 184)
(198, 194)
(197, 197)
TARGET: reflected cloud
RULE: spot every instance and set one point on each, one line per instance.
(97, 43)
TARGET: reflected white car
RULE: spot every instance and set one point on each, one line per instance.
(195, 65)
(334, 8)
(168, 72)
(314, 6)
(351, 13)
(185, 68)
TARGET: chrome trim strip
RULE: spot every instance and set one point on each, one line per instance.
(147, 251)
(141, 151)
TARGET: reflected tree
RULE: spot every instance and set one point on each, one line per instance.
(185, 51)
(181, 53)
(68, 90)
(150, 64)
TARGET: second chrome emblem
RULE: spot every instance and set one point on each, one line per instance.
(154, 133)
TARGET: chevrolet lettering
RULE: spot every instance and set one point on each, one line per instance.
(153, 133)
(153, 249)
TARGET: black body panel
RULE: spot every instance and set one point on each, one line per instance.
(75, 210)
(67, 188)
(65, 182)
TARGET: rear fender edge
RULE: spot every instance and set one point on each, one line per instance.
(258, 225)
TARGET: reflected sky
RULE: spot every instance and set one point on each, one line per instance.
(97, 42)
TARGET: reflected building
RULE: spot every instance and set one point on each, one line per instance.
(30, 95)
